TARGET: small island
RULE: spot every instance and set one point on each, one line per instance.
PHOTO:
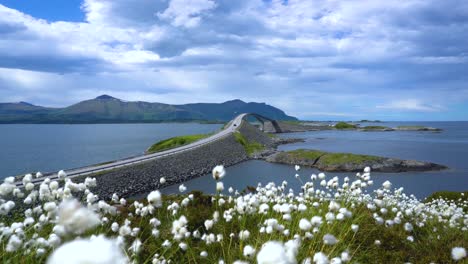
(348, 162)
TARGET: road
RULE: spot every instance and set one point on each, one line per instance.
(232, 127)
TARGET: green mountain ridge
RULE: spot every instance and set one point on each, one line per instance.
(107, 109)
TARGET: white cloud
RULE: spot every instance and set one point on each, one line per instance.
(186, 13)
(411, 105)
(291, 54)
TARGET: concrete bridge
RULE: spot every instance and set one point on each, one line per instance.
(268, 125)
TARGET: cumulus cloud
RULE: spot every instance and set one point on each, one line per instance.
(312, 58)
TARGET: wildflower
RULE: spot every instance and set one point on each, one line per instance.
(355, 228)
(304, 224)
(367, 169)
(408, 227)
(329, 239)
(209, 224)
(219, 186)
(377, 242)
(297, 167)
(75, 218)
(136, 246)
(249, 251)
(458, 253)
(115, 227)
(96, 250)
(387, 185)
(182, 188)
(183, 246)
(316, 221)
(320, 258)
(62, 174)
(162, 180)
(155, 198)
(345, 257)
(218, 172)
(273, 252)
(203, 254)
(14, 243)
(244, 235)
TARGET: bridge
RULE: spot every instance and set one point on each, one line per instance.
(268, 125)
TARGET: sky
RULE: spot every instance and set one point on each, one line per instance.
(316, 60)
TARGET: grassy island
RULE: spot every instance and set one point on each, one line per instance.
(328, 158)
(175, 142)
(344, 125)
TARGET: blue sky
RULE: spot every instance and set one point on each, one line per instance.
(321, 60)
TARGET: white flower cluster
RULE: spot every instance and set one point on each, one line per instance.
(65, 222)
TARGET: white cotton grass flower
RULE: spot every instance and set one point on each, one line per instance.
(249, 251)
(219, 186)
(75, 218)
(98, 250)
(297, 167)
(203, 254)
(155, 198)
(162, 180)
(329, 239)
(62, 174)
(244, 235)
(273, 252)
(387, 185)
(320, 258)
(458, 253)
(218, 172)
(305, 225)
(182, 188)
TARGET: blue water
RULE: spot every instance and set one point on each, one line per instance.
(449, 147)
(28, 148)
(46, 148)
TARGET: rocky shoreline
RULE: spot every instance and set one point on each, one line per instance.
(322, 162)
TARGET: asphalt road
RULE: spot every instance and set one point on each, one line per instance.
(233, 125)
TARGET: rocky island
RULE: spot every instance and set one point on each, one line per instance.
(347, 162)
(303, 126)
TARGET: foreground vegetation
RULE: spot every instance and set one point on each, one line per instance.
(175, 142)
(328, 222)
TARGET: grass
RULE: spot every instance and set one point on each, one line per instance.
(306, 154)
(341, 158)
(249, 146)
(175, 142)
(438, 227)
(375, 127)
(344, 125)
(428, 247)
(328, 158)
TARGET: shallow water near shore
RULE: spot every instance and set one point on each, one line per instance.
(26, 148)
(449, 147)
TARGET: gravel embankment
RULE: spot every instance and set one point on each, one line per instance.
(178, 168)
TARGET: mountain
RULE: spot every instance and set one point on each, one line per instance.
(107, 109)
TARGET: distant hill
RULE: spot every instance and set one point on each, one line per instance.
(107, 109)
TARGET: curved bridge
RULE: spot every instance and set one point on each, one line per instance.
(268, 124)
(231, 127)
